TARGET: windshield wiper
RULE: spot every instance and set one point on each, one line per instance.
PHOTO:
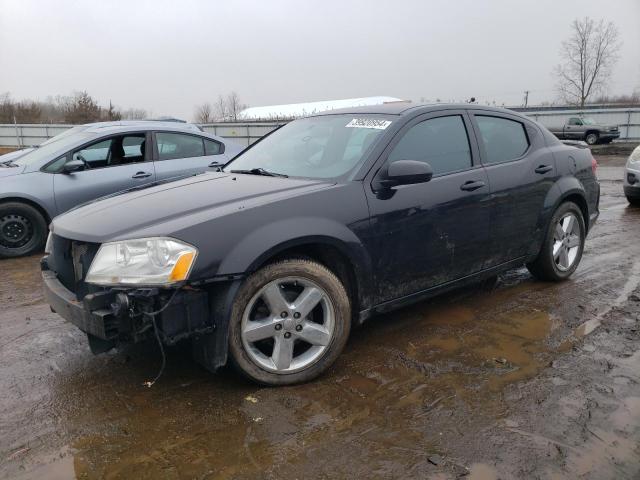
(260, 171)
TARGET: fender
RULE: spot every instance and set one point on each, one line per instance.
(29, 200)
(564, 187)
(271, 239)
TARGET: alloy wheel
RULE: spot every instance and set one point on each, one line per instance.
(566, 241)
(288, 325)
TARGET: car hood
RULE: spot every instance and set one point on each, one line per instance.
(170, 207)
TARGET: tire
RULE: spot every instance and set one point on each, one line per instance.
(259, 352)
(591, 138)
(561, 266)
(635, 201)
(23, 230)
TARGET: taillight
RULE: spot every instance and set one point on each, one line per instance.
(594, 165)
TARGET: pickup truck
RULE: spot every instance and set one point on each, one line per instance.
(581, 128)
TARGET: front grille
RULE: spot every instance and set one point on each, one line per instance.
(70, 260)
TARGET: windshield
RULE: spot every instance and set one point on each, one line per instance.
(58, 144)
(318, 147)
(66, 133)
(588, 121)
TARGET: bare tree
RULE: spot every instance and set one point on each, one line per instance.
(7, 108)
(234, 106)
(81, 108)
(204, 113)
(227, 108)
(220, 109)
(112, 113)
(589, 56)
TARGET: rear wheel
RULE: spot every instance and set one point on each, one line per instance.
(563, 245)
(289, 322)
(23, 230)
(591, 138)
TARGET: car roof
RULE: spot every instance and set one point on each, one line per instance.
(404, 108)
(126, 125)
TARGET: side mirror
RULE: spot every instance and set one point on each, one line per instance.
(73, 166)
(403, 172)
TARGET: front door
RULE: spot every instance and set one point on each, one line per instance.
(521, 172)
(427, 234)
(181, 154)
(112, 164)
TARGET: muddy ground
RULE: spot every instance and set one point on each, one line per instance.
(527, 380)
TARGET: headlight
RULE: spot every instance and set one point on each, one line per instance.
(634, 157)
(142, 262)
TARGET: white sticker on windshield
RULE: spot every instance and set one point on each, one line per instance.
(369, 123)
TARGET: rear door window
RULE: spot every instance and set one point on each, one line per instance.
(504, 140)
(178, 145)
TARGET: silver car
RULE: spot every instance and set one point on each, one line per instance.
(632, 177)
(90, 161)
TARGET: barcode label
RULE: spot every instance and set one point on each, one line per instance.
(369, 123)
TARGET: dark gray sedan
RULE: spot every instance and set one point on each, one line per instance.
(90, 161)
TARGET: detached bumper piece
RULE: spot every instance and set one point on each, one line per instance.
(123, 315)
(93, 315)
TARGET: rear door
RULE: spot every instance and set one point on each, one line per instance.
(177, 154)
(427, 234)
(521, 172)
(114, 164)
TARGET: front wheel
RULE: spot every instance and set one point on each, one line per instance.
(23, 230)
(591, 138)
(289, 322)
(563, 245)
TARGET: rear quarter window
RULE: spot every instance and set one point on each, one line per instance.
(211, 147)
(504, 140)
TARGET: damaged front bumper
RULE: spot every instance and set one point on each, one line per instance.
(125, 315)
(110, 316)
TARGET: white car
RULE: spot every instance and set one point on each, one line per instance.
(632, 178)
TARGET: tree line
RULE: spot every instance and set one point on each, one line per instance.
(78, 108)
(225, 109)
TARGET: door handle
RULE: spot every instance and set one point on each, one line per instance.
(141, 175)
(472, 185)
(542, 169)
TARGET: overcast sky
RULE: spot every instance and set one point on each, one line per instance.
(169, 56)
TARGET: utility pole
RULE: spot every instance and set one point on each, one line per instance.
(526, 98)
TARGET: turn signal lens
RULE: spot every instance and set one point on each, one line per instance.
(182, 267)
